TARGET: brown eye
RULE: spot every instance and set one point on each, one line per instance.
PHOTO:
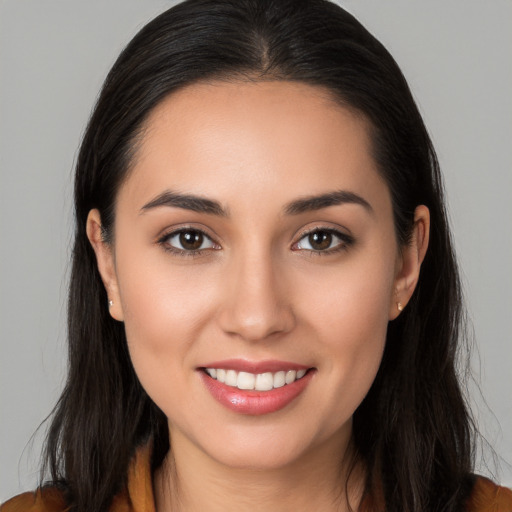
(320, 240)
(324, 241)
(191, 240)
(188, 240)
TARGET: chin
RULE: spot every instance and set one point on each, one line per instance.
(258, 460)
(266, 449)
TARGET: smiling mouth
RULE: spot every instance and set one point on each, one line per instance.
(255, 382)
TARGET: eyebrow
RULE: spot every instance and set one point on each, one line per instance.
(212, 207)
(186, 202)
(338, 197)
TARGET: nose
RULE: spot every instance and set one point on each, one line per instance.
(257, 302)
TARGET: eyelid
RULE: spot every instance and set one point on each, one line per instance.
(187, 226)
(171, 232)
(346, 240)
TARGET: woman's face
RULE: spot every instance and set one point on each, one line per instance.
(254, 241)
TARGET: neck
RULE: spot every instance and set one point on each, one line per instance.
(190, 481)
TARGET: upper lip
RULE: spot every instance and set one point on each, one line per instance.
(243, 365)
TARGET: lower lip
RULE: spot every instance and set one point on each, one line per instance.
(255, 402)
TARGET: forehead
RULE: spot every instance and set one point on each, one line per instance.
(227, 138)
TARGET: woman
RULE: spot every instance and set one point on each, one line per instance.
(264, 305)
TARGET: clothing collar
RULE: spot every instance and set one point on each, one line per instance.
(138, 495)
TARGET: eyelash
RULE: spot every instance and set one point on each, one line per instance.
(345, 242)
(164, 242)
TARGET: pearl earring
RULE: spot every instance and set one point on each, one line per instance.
(400, 306)
(110, 303)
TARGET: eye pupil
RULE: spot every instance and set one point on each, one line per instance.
(191, 240)
(320, 240)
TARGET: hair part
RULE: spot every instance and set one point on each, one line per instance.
(412, 431)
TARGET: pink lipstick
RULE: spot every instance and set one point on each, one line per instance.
(255, 388)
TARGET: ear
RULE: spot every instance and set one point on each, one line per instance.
(106, 263)
(408, 270)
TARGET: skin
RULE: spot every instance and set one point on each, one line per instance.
(257, 291)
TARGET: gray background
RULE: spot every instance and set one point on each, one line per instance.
(54, 54)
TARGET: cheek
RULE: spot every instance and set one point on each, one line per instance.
(165, 308)
(351, 301)
(349, 318)
(353, 324)
(159, 295)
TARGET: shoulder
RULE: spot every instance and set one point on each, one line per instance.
(51, 499)
(486, 496)
(48, 499)
(137, 496)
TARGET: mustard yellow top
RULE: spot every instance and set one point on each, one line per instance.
(138, 495)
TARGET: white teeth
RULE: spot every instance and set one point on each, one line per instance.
(221, 375)
(290, 376)
(250, 381)
(245, 380)
(279, 379)
(231, 378)
(264, 382)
